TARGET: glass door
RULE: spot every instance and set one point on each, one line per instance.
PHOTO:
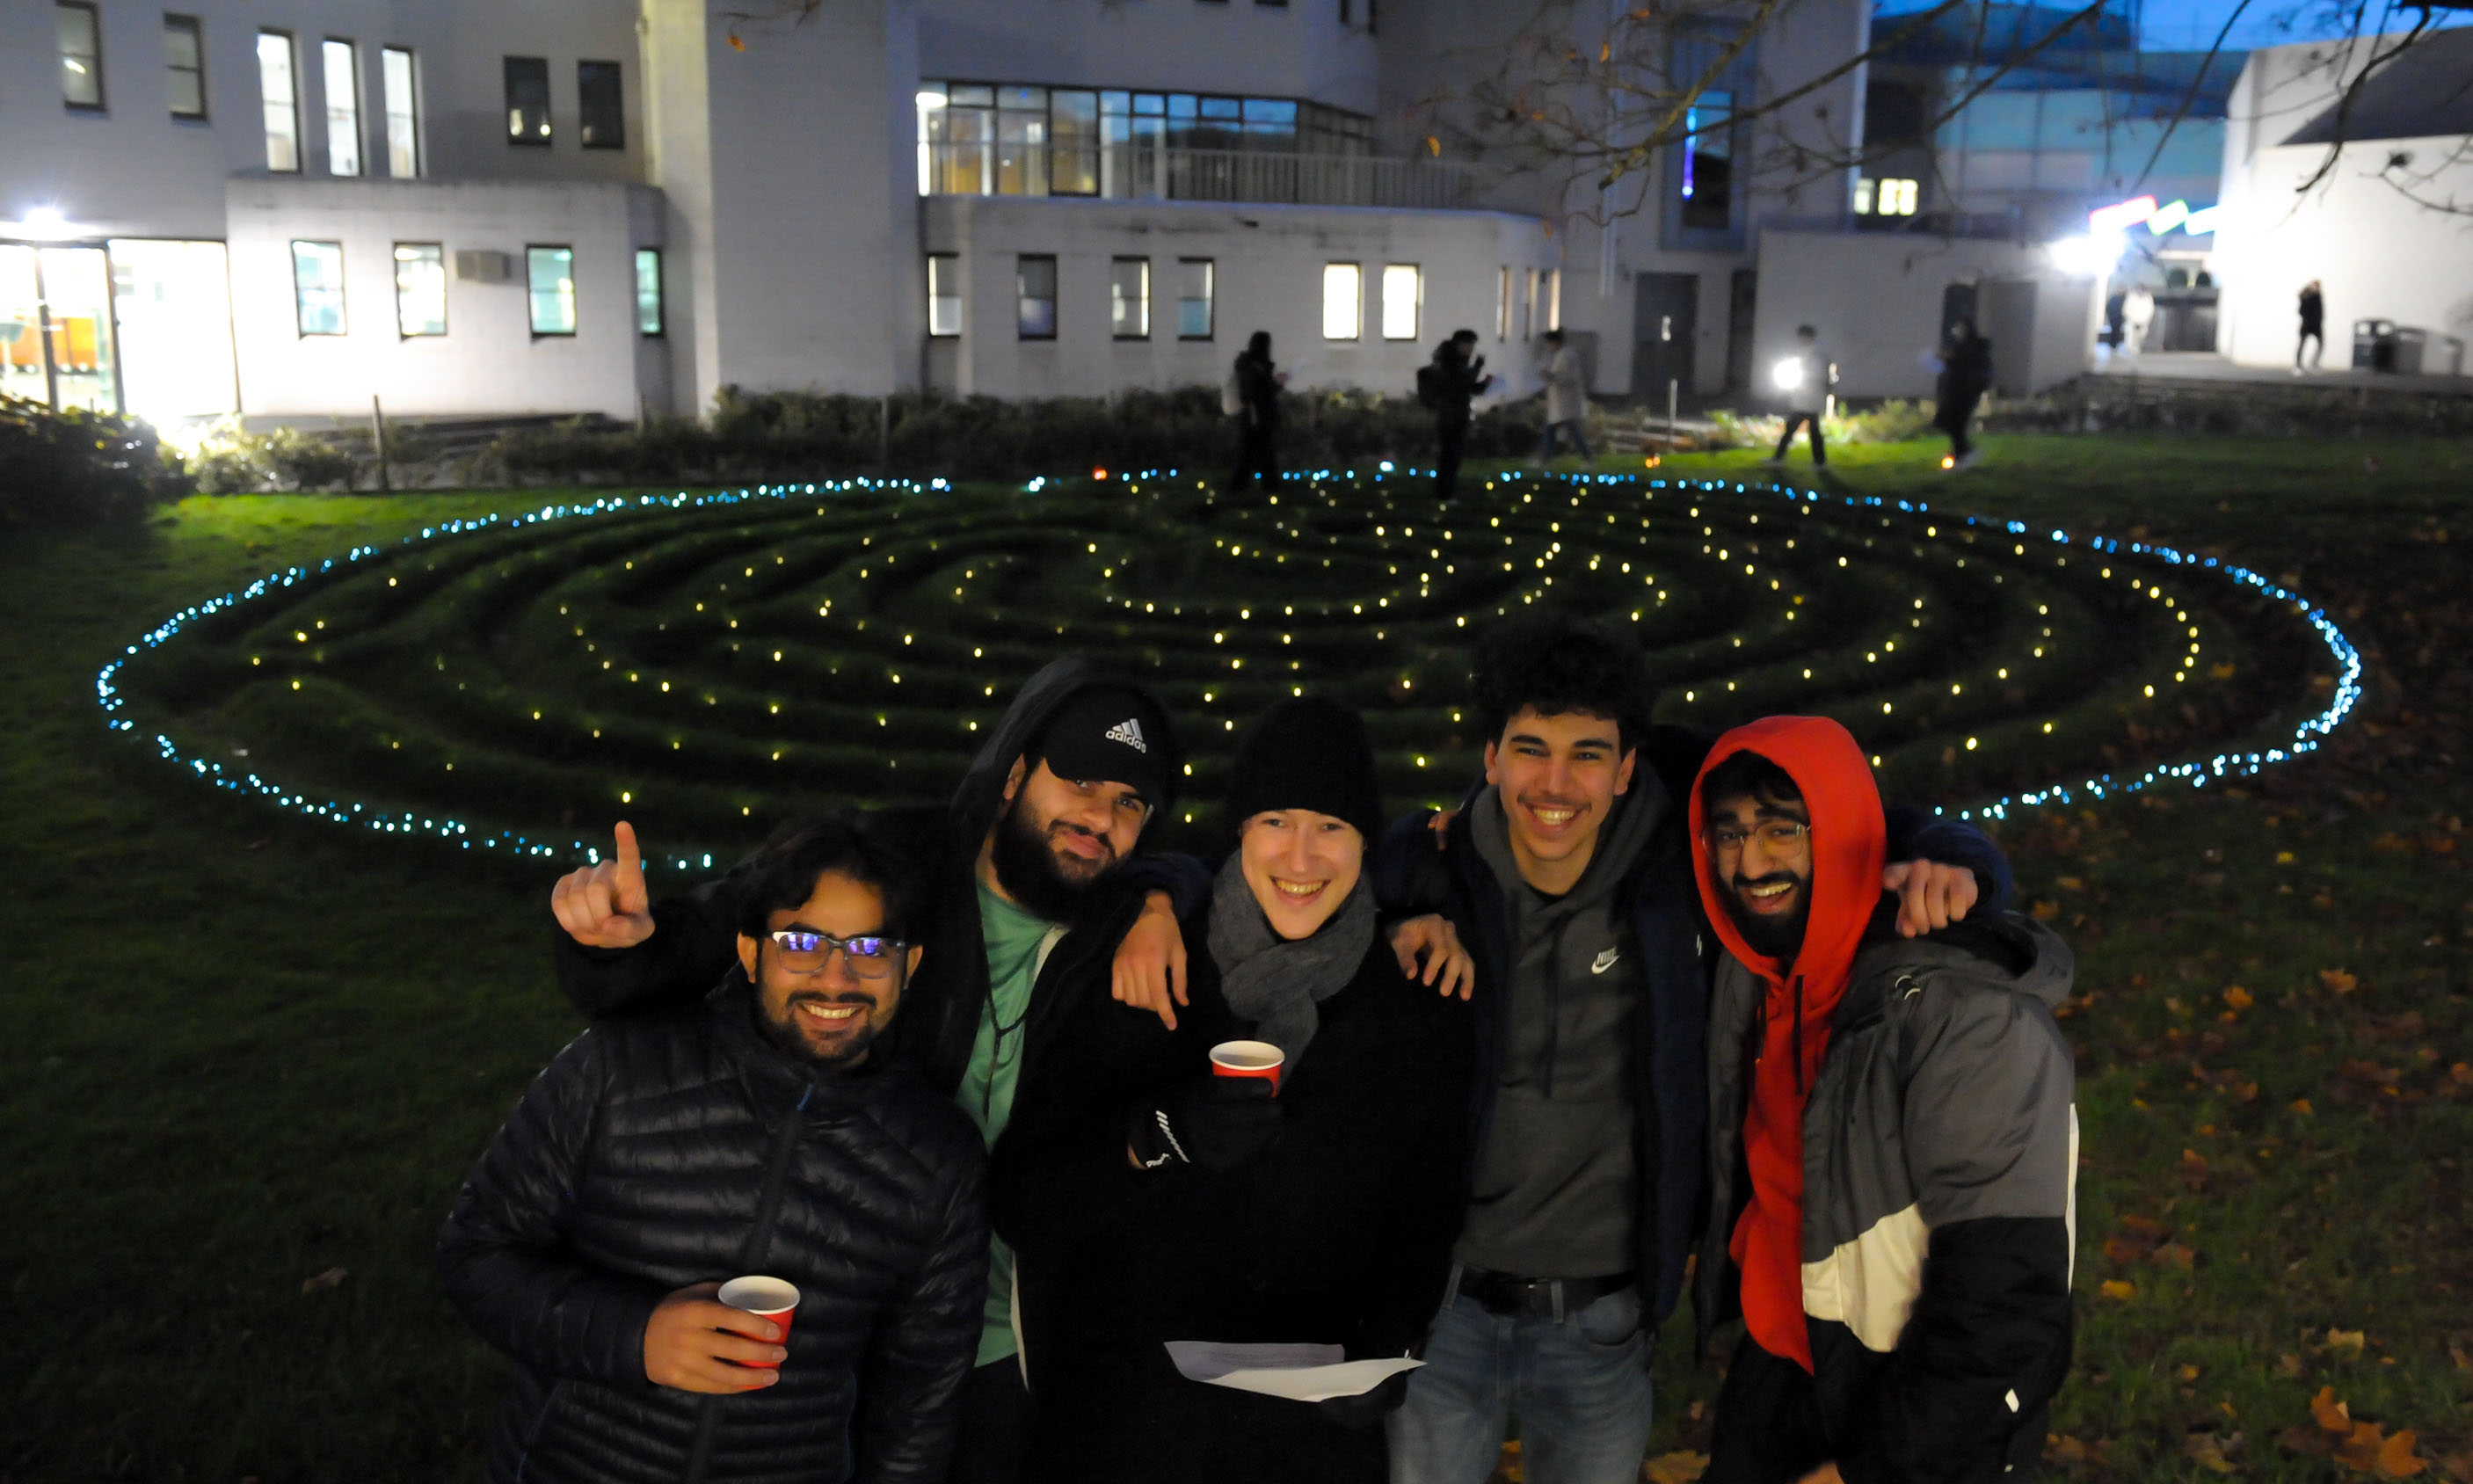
(23, 371)
(56, 331)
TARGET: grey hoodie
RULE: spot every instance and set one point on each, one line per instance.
(1556, 1190)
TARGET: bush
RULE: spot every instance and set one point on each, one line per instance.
(231, 460)
(810, 435)
(79, 465)
(1894, 421)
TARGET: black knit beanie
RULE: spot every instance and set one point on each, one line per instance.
(1308, 754)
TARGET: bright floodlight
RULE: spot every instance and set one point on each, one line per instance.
(2090, 256)
(1788, 373)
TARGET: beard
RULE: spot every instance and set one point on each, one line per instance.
(1029, 870)
(1779, 938)
(788, 1038)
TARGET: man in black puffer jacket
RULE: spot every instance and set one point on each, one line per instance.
(753, 1133)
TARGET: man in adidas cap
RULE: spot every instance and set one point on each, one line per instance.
(1033, 876)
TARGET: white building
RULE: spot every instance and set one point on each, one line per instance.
(2372, 225)
(288, 208)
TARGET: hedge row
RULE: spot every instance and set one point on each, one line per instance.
(79, 467)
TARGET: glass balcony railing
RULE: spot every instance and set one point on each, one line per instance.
(1134, 172)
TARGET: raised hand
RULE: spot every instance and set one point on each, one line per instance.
(604, 906)
(694, 1342)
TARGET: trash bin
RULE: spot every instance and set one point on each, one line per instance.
(2374, 345)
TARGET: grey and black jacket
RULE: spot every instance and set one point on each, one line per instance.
(1940, 1151)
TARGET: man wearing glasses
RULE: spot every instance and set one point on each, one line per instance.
(1893, 1145)
(758, 1132)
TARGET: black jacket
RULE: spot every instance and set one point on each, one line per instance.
(680, 1148)
(695, 935)
(1339, 1233)
(1965, 375)
(1662, 908)
(1257, 388)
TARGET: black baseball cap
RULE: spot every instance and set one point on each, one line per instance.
(1114, 734)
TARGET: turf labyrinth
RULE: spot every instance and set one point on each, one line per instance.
(703, 664)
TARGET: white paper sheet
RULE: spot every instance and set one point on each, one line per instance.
(1300, 1372)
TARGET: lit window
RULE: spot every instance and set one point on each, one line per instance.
(1528, 324)
(1553, 299)
(1194, 290)
(549, 273)
(648, 292)
(1035, 291)
(318, 287)
(1897, 198)
(342, 76)
(1708, 162)
(402, 115)
(1403, 288)
(81, 42)
(275, 84)
(528, 101)
(601, 100)
(1129, 298)
(1864, 196)
(184, 67)
(1342, 295)
(1503, 304)
(420, 289)
(944, 294)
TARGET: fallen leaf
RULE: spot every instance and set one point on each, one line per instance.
(2069, 883)
(2301, 1105)
(2345, 1342)
(2062, 1450)
(2460, 1074)
(2189, 1372)
(2176, 1255)
(1677, 1468)
(2338, 980)
(2238, 999)
(2043, 911)
(2208, 1451)
(2193, 1167)
(2287, 1366)
(319, 1283)
(2119, 1288)
(2330, 1414)
(2397, 1459)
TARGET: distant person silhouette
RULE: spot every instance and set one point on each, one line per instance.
(2313, 327)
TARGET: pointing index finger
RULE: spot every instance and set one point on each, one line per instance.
(629, 858)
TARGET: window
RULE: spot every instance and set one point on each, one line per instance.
(648, 292)
(1503, 304)
(1709, 162)
(549, 273)
(944, 294)
(1553, 299)
(184, 67)
(1402, 291)
(979, 138)
(275, 84)
(1864, 196)
(1074, 148)
(1195, 288)
(1897, 198)
(528, 101)
(342, 74)
(318, 287)
(1021, 141)
(420, 289)
(81, 37)
(603, 107)
(1035, 288)
(1129, 298)
(1342, 294)
(402, 115)
(1528, 304)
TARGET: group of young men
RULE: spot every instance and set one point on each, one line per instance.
(1723, 1002)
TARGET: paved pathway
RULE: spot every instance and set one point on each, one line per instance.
(2208, 367)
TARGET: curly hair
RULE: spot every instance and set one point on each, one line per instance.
(783, 875)
(1557, 663)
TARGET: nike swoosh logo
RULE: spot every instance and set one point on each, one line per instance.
(1604, 961)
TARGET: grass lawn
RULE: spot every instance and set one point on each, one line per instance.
(248, 1062)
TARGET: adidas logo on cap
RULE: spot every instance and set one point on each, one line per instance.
(1129, 732)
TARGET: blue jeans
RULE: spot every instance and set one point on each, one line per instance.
(1578, 1387)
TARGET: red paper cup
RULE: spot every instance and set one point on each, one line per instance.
(1248, 1059)
(766, 1298)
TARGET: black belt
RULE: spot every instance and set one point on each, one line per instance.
(1531, 1297)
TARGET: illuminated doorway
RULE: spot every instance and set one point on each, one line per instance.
(55, 327)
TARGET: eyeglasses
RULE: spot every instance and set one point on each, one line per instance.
(808, 954)
(1775, 835)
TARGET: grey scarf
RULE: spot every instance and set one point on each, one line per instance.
(1276, 982)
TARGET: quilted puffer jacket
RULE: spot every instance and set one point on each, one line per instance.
(678, 1148)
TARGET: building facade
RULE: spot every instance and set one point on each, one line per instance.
(288, 208)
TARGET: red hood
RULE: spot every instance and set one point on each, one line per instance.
(1850, 843)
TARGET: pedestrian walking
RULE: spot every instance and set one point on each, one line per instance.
(1804, 377)
(1965, 375)
(1446, 384)
(1252, 396)
(1566, 401)
(2313, 327)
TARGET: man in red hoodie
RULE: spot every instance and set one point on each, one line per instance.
(1893, 1143)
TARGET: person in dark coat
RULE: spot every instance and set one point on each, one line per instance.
(1965, 375)
(767, 1130)
(1259, 380)
(2313, 327)
(1456, 376)
(1151, 1202)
